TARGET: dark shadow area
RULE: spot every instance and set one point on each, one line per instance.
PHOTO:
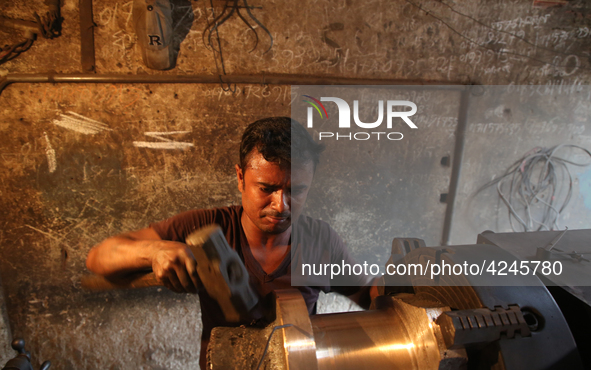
(578, 316)
(182, 21)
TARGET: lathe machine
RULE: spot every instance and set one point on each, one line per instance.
(526, 321)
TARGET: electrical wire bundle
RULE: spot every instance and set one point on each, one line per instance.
(532, 188)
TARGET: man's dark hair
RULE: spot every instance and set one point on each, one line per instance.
(274, 138)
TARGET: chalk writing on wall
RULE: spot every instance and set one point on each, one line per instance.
(50, 152)
(164, 142)
(76, 122)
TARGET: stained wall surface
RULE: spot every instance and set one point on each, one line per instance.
(81, 162)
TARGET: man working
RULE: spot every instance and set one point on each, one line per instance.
(274, 187)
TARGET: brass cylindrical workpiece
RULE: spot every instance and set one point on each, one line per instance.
(400, 336)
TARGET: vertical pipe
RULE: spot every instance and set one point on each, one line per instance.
(86, 36)
(458, 157)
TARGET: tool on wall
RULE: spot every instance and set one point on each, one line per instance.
(22, 361)
(49, 26)
(152, 20)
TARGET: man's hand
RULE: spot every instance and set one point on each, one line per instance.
(173, 263)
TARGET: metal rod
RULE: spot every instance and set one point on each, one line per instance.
(556, 240)
(86, 36)
(458, 158)
(211, 79)
(19, 24)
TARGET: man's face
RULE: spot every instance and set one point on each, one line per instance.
(273, 195)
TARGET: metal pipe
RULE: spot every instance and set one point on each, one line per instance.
(456, 168)
(212, 79)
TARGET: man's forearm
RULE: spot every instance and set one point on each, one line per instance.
(173, 262)
(121, 254)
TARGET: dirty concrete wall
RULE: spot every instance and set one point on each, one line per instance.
(367, 189)
(5, 334)
(501, 134)
(77, 165)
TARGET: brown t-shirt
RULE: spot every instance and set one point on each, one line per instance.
(321, 242)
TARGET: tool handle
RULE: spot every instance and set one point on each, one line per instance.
(98, 283)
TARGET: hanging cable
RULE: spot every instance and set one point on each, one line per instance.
(233, 6)
(531, 187)
(211, 36)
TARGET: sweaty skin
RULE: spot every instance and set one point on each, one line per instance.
(272, 196)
